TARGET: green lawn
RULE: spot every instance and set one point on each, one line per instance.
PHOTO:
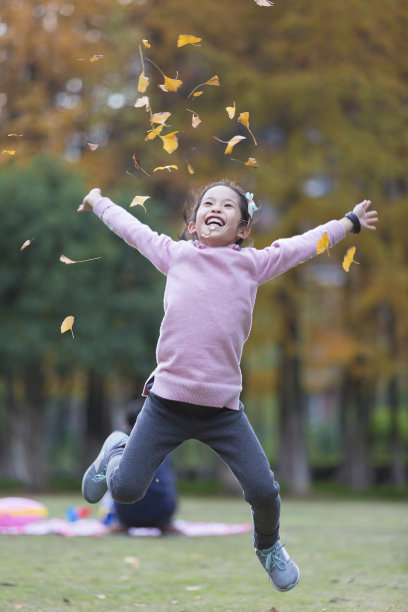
(353, 555)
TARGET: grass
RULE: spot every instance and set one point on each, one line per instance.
(353, 555)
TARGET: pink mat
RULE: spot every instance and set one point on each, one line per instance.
(94, 527)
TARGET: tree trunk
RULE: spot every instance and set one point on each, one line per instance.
(398, 473)
(293, 468)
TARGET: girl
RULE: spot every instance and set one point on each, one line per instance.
(194, 390)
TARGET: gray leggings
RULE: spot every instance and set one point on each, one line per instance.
(164, 424)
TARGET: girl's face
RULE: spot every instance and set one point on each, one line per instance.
(218, 218)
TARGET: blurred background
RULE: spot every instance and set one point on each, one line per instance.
(325, 86)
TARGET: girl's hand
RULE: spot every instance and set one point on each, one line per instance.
(90, 200)
(367, 218)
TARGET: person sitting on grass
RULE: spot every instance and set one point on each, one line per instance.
(194, 392)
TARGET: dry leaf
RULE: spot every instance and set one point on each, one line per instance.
(67, 260)
(252, 163)
(323, 244)
(139, 201)
(231, 143)
(26, 243)
(67, 324)
(187, 39)
(169, 168)
(143, 83)
(143, 101)
(196, 587)
(195, 120)
(170, 142)
(9, 151)
(231, 111)
(14, 135)
(159, 117)
(151, 134)
(136, 161)
(96, 58)
(92, 146)
(349, 258)
(133, 561)
(146, 43)
(244, 119)
(190, 168)
(197, 94)
(213, 81)
(264, 3)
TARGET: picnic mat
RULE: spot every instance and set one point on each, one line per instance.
(94, 527)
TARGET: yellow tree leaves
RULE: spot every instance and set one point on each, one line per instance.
(187, 39)
(264, 2)
(323, 244)
(139, 201)
(66, 260)
(170, 142)
(231, 111)
(214, 81)
(231, 143)
(26, 244)
(244, 119)
(349, 258)
(67, 325)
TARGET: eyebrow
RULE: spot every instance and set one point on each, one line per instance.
(212, 198)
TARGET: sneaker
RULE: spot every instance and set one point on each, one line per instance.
(282, 571)
(94, 480)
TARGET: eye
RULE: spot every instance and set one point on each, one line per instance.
(229, 206)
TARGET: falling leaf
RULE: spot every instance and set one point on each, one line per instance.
(133, 561)
(244, 119)
(187, 39)
(139, 201)
(14, 135)
(96, 58)
(143, 101)
(215, 81)
(251, 162)
(9, 151)
(159, 117)
(231, 111)
(170, 84)
(67, 260)
(146, 43)
(136, 161)
(197, 94)
(143, 83)
(169, 168)
(195, 120)
(92, 146)
(264, 3)
(190, 168)
(231, 143)
(151, 134)
(170, 142)
(323, 244)
(349, 258)
(26, 243)
(67, 324)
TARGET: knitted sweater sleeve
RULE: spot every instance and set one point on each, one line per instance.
(286, 253)
(158, 248)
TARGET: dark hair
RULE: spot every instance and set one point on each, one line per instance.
(190, 213)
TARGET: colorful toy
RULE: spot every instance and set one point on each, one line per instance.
(20, 511)
(75, 513)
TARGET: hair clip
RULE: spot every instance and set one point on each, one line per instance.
(252, 207)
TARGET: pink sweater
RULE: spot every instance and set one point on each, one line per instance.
(208, 303)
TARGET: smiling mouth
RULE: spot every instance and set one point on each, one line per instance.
(214, 221)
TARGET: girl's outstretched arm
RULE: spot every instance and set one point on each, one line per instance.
(367, 218)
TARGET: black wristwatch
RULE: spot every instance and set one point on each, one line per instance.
(355, 221)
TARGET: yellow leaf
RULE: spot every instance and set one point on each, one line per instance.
(169, 168)
(187, 39)
(143, 83)
(143, 101)
(323, 244)
(92, 146)
(136, 161)
(14, 135)
(159, 117)
(213, 81)
(244, 119)
(231, 111)
(170, 84)
(9, 151)
(26, 244)
(349, 258)
(139, 201)
(170, 142)
(231, 143)
(190, 168)
(195, 120)
(146, 43)
(264, 3)
(252, 163)
(197, 94)
(67, 324)
(67, 260)
(151, 134)
(96, 58)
